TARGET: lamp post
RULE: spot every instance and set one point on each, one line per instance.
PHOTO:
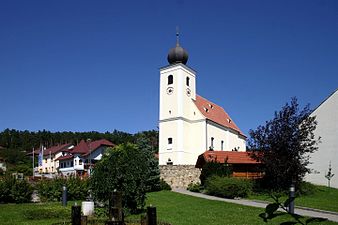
(90, 156)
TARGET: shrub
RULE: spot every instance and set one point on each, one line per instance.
(14, 190)
(194, 187)
(214, 168)
(164, 185)
(306, 188)
(51, 190)
(21, 191)
(228, 187)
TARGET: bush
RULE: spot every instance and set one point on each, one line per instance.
(14, 190)
(214, 168)
(306, 188)
(51, 190)
(194, 187)
(164, 185)
(228, 187)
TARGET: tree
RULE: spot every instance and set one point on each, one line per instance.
(329, 175)
(124, 168)
(284, 145)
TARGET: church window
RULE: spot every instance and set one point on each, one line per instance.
(187, 81)
(170, 79)
(222, 143)
(170, 141)
(169, 111)
(212, 143)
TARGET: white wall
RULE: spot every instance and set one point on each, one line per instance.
(327, 128)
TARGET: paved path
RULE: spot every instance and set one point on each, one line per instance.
(333, 216)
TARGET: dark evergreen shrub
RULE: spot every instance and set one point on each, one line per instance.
(194, 187)
(228, 187)
(164, 185)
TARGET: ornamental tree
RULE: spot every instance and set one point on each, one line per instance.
(284, 145)
(123, 168)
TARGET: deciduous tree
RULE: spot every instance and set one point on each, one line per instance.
(286, 143)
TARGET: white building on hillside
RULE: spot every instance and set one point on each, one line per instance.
(189, 124)
(327, 128)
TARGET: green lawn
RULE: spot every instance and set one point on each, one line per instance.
(174, 208)
(33, 213)
(324, 198)
(181, 209)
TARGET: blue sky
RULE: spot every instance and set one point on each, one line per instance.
(94, 65)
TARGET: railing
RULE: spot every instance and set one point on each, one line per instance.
(248, 175)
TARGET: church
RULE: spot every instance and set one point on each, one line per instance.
(189, 124)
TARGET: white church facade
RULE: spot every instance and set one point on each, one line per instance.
(327, 129)
(189, 124)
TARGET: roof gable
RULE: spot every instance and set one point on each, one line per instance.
(84, 147)
(215, 113)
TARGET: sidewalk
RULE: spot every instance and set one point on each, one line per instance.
(332, 216)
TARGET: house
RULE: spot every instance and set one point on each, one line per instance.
(189, 124)
(47, 157)
(82, 158)
(242, 164)
(327, 128)
(3, 167)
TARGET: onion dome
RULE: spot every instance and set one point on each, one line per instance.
(177, 54)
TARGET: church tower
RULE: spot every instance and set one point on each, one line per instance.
(177, 93)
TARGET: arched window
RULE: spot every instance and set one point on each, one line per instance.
(222, 143)
(170, 79)
(187, 81)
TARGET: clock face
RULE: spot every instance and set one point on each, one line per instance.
(188, 92)
(170, 90)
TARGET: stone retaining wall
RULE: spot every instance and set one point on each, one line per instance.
(180, 176)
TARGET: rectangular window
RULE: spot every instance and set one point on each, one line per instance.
(170, 141)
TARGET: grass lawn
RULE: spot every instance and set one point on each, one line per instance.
(34, 213)
(174, 208)
(181, 209)
(324, 198)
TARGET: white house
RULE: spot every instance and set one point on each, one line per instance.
(82, 157)
(47, 162)
(189, 124)
(327, 128)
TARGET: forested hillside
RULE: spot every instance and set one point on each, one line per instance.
(15, 144)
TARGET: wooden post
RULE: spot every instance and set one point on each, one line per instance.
(76, 215)
(151, 215)
(115, 209)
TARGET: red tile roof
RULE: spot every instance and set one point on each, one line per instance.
(221, 156)
(83, 147)
(65, 157)
(215, 113)
(55, 149)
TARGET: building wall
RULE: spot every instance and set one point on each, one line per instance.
(180, 176)
(327, 128)
(231, 138)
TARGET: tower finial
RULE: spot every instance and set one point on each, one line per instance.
(177, 36)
